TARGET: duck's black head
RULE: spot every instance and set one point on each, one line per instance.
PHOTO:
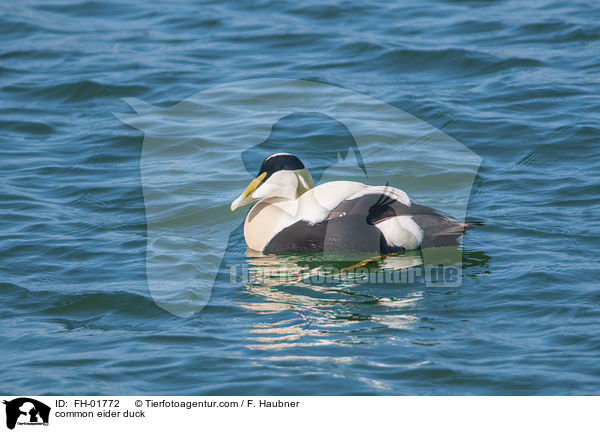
(280, 161)
(291, 180)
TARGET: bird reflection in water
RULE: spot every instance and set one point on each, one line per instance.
(308, 302)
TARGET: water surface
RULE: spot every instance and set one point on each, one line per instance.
(516, 82)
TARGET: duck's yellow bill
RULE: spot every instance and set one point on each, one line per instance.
(246, 196)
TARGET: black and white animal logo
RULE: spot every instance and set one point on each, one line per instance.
(26, 411)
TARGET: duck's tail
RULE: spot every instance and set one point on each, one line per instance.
(471, 224)
(443, 232)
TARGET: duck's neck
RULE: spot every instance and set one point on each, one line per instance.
(305, 182)
(307, 206)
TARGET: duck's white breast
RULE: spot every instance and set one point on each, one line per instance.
(264, 221)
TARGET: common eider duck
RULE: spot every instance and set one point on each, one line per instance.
(294, 215)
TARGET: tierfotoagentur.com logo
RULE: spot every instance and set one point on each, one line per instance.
(231, 123)
(26, 412)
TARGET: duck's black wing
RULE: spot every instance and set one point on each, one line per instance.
(438, 228)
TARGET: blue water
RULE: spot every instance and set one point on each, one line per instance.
(515, 82)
